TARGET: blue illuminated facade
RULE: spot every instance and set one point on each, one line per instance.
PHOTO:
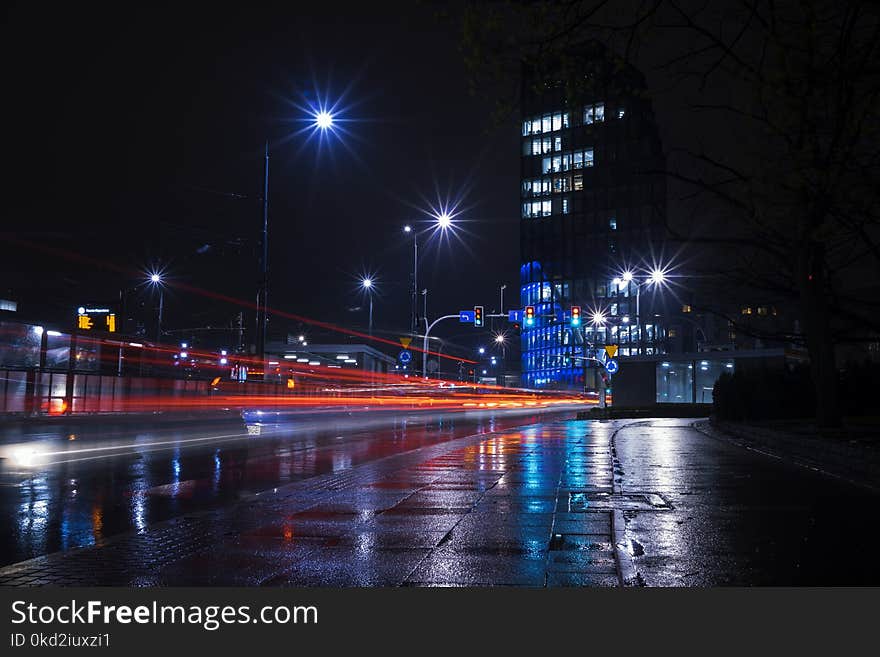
(593, 201)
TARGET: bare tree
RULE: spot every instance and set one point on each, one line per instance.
(772, 124)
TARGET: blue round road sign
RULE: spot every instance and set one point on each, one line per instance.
(612, 366)
(404, 356)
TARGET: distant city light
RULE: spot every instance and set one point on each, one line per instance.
(627, 276)
(482, 350)
(407, 229)
(223, 361)
(54, 334)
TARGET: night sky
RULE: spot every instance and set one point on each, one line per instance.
(135, 136)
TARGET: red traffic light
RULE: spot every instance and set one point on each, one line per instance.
(575, 315)
(530, 315)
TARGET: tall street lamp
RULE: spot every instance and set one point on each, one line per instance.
(655, 277)
(322, 120)
(367, 285)
(443, 221)
(156, 281)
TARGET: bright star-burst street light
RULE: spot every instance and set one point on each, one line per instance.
(367, 285)
(444, 221)
(155, 279)
(499, 339)
(658, 276)
(324, 120)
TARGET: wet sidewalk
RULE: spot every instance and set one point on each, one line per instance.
(534, 506)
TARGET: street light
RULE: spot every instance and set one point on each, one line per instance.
(156, 281)
(443, 222)
(367, 284)
(657, 276)
(322, 120)
(482, 350)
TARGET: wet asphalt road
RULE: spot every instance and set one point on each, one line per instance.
(492, 499)
(68, 486)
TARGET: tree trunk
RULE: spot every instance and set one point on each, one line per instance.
(820, 342)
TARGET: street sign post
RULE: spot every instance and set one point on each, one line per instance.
(612, 366)
(466, 316)
(611, 350)
(514, 315)
(404, 356)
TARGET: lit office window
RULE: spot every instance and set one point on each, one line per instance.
(557, 164)
(577, 160)
(546, 123)
(527, 127)
(536, 146)
(557, 143)
(565, 119)
(594, 113)
(546, 165)
(621, 112)
(612, 223)
(557, 121)
(546, 145)
(565, 206)
(566, 162)
(578, 182)
(588, 157)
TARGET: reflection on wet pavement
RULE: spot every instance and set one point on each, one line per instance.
(559, 503)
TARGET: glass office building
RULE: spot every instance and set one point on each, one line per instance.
(593, 200)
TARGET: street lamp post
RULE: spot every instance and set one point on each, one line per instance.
(323, 120)
(156, 279)
(367, 284)
(655, 277)
(444, 221)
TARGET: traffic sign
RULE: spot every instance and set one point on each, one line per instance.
(611, 350)
(514, 315)
(404, 356)
(478, 316)
(466, 316)
(404, 342)
(612, 366)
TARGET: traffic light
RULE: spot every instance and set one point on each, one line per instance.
(478, 316)
(515, 327)
(575, 315)
(530, 315)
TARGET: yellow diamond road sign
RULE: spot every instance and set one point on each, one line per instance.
(405, 342)
(611, 350)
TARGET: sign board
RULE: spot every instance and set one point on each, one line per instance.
(611, 350)
(612, 366)
(97, 318)
(514, 315)
(404, 356)
(404, 342)
(466, 316)
(433, 366)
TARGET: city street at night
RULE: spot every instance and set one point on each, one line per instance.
(520, 497)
